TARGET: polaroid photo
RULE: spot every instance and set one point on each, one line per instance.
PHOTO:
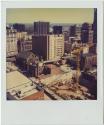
(52, 63)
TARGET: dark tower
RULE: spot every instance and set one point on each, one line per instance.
(72, 30)
(85, 32)
(19, 27)
(41, 28)
(95, 26)
(40, 39)
(57, 30)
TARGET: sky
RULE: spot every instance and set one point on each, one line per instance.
(53, 15)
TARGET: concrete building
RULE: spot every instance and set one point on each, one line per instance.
(19, 87)
(29, 62)
(24, 45)
(72, 30)
(25, 58)
(10, 66)
(40, 46)
(90, 40)
(88, 61)
(45, 45)
(95, 26)
(40, 39)
(86, 33)
(93, 49)
(49, 46)
(19, 27)
(66, 35)
(78, 31)
(22, 35)
(89, 80)
(67, 47)
(72, 39)
(57, 29)
(56, 46)
(11, 42)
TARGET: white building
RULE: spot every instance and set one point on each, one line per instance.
(56, 46)
(90, 36)
(21, 35)
(11, 42)
(78, 31)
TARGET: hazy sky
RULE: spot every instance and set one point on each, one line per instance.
(53, 15)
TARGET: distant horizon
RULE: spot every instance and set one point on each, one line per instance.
(51, 23)
(52, 15)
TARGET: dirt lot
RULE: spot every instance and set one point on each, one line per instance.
(54, 71)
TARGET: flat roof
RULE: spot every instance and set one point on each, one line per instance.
(15, 78)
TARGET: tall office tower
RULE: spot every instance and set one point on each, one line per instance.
(66, 35)
(95, 26)
(90, 38)
(41, 28)
(40, 39)
(11, 42)
(55, 46)
(57, 29)
(85, 33)
(78, 31)
(48, 47)
(40, 46)
(72, 30)
(19, 27)
(45, 45)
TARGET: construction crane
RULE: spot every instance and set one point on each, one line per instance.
(77, 52)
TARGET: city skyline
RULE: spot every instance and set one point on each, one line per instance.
(56, 64)
(53, 15)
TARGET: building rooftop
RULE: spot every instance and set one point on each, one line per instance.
(24, 55)
(15, 79)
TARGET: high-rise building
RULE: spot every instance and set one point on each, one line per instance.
(56, 46)
(86, 33)
(67, 47)
(48, 47)
(57, 29)
(45, 45)
(40, 46)
(19, 27)
(90, 40)
(22, 35)
(95, 26)
(66, 35)
(78, 32)
(11, 42)
(41, 28)
(25, 45)
(40, 39)
(72, 30)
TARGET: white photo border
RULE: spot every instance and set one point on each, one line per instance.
(86, 112)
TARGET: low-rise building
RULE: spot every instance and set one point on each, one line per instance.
(26, 58)
(24, 45)
(89, 79)
(19, 87)
(90, 60)
(11, 42)
(67, 47)
(30, 63)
